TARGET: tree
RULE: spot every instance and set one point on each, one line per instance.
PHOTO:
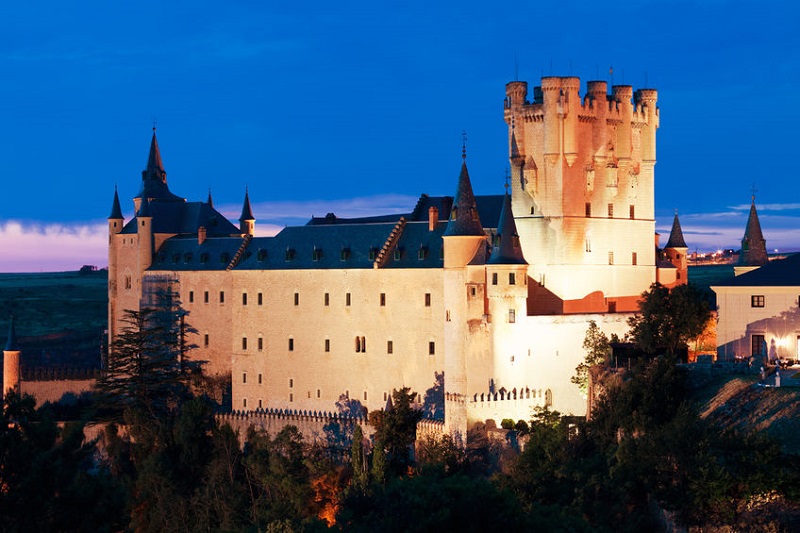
(358, 460)
(668, 318)
(396, 430)
(597, 350)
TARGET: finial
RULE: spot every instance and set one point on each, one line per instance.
(464, 144)
(753, 194)
(506, 180)
(676, 211)
(155, 123)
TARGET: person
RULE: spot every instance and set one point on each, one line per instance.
(763, 375)
(778, 377)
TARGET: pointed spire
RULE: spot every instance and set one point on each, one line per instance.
(754, 246)
(116, 210)
(154, 178)
(676, 235)
(210, 202)
(144, 209)
(247, 212)
(11, 343)
(389, 405)
(464, 219)
(507, 250)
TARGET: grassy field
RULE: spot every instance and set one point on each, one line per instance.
(60, 317)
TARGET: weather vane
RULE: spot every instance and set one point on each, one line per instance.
(506, 180)
(464, 144)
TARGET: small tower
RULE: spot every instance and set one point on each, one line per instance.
(115, 224)
(210, 201)
(754, 246)
(154, 179)
(675, 252)
(144, 225)
(11, 361)
(247, 222)
(464, 238)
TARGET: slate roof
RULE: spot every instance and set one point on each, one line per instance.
(247, 212)
(184, 253)
(154, 178)
(465, 220)
(778, 273)
(507, 250)
(116, 209)
(11, 343)
(676, 235)
(754, 247)
(185, 218)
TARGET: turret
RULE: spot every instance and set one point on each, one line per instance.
(115, 224)
(754, 246)
(144, 226)
(675, 252)
(11, 361)
(247, 222)
(464, 236)
(154, 178)
(645, 100)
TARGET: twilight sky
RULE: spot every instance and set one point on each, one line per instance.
(358, 107)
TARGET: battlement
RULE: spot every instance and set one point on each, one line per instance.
(59, 374)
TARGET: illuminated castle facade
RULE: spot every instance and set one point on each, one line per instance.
(495, 292)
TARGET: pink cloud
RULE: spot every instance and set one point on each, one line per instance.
(51, 247)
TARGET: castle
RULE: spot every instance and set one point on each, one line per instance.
(495, 292)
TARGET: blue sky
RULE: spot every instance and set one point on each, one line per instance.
(353, 107)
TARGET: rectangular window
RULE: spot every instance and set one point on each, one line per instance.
(632, 209)
(588, 246)
(319, 393)
(259, 379)
(327, 299)
(291, 383)
(759, 346)
(365, 396)
(427, 299)
(610, 258)
(260, 405)
(634, 259)
(291, 344)
(431, 348)
(191, 296)
(205, 297)
(291, 397)
(260, 298)
(244, 343)
(222, 297)
(244, 377)
(494, 278)
(389, 347)
(512, 278)
(347, 299)
(244, 298)
(244, 402)
(260, 343)
(205, 339)
(610, 210)
(512, 316)
(297, 298)
(588, 209)
(757, 300)
(383, 299)
(327, 345)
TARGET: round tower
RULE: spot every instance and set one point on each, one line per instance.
(11, 361)
(675, 252)
(144, 227)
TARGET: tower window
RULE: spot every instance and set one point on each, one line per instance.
(244, 377)
(634, 259)
(244, 298)
(512, 316)
(205, 297)
(610, 210)
(291, 383)
(260, 298)
(390, 347)
(205, 339)
(259, 379)
(222, 297)
(431, 348)
(291, 344)
(297, 298)
(588, 209)
(347, 299)
(327, 299)
(191, 296)
(494, 278)
(327, 345)
(427, 299)
(610, 258)
(383, 299)
(260, 347)
(244, 343)
(632, 209)
(512, 278)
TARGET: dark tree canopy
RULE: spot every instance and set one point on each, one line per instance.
(669, 318)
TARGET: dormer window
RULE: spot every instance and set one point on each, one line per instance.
(176, 258)
(372, 254)
(345, 254)
(225, 257)
(187, 257)
(262, 254)
(423, 253)
(454, 213)
(289, 254)
(397, 254)
(204, 257)
(316, 253)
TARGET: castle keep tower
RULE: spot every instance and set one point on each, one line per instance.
(11, 361)
(583, 193)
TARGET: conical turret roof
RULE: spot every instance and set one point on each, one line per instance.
(154, 178)
(464, 219)
(210, 202)
(507, 250)
(676, 235)
(247, 212)
(116, 210)
(144, 209)
(754, 246)
(11, 343)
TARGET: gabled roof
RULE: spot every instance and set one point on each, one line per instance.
(676, 235)
(754, 246)
(185, 218)
(116, 210)
(778, 273)
(507, 250)
(464, 218)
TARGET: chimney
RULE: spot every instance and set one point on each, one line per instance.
(433, 218)
(201, 234)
